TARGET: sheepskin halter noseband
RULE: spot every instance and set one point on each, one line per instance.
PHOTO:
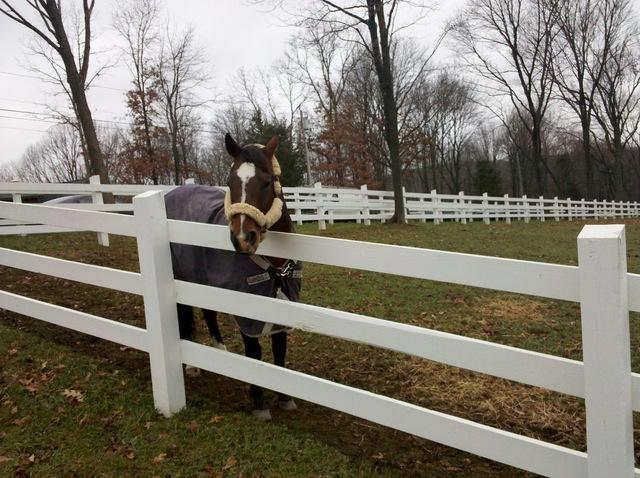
(264, 221)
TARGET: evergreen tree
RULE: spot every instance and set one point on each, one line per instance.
(289, 155)
(486, 179)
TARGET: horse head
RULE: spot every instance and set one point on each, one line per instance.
(253, 203)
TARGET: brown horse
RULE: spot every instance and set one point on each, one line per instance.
(253, 205)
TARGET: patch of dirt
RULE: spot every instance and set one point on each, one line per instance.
(522, 409)
(516, 308)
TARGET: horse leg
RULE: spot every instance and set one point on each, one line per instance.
(185, 326)
(252, 349)
(185, 321)
(211, 318)
(279, 347)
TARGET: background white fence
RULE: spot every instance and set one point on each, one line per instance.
(600, 283)
(322, 205)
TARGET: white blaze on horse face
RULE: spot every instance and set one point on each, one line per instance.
(245, 172)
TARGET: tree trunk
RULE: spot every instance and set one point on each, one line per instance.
(536, 137)
(588, 164)
(176, 158)
(382, 60)
(78, 94)
(96, 160)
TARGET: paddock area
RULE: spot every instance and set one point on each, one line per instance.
(74, 405)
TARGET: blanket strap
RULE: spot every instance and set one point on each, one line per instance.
(287, 271)
(278, 274)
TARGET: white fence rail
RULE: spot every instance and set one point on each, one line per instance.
(600, 283)
(320, 204)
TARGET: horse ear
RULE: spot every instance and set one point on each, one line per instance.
(271, 146)
(232, 147)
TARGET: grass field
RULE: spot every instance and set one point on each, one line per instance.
(77, 406)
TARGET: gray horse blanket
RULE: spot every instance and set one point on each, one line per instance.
(226, 269)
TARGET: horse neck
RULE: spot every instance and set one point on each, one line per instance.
(284, 224)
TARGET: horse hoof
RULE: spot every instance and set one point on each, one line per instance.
(262, 415)
(287, 404)
(192, 371)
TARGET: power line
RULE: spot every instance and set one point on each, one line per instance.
(13, 100)
(20, 75)
(11, 110)
(24, 129)
(28, 119)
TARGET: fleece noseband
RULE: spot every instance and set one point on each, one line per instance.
(264, 221)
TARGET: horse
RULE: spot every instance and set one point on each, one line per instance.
(253, 205)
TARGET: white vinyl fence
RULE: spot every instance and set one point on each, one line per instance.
(320, 204)
(601, 283)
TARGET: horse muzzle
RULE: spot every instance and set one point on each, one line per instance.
(246, 242)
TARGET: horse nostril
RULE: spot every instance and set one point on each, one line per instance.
(251, 237)
(234, 241)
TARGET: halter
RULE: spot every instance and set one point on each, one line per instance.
(264, 221)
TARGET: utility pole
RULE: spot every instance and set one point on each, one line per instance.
(303, 137)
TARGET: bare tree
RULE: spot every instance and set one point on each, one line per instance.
(508, 44)
(324, 66)
(53, 32)
(56, 158)
(616, 107)
(454, 123)
(136, 22)
(372, 24)
(587, 29)
(290, 88)
(181, 74)
(8, 173)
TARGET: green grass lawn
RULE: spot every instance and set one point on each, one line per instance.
(77, 406)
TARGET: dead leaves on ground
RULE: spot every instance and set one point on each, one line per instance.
(231, 462)
(160, 458)
(192, 425)
(74, 396)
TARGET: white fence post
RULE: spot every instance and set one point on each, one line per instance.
(507, 209)
(365, 207)
(604, 307)
(435, 201)
(17, 198)
(406, 208)
(159, 302)
(485, 208)
(296, 198)
(96, 198)
(462, 208)
(525, 205)
(322, 224)
(541, 208)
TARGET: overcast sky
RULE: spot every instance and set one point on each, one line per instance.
(232, 33)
